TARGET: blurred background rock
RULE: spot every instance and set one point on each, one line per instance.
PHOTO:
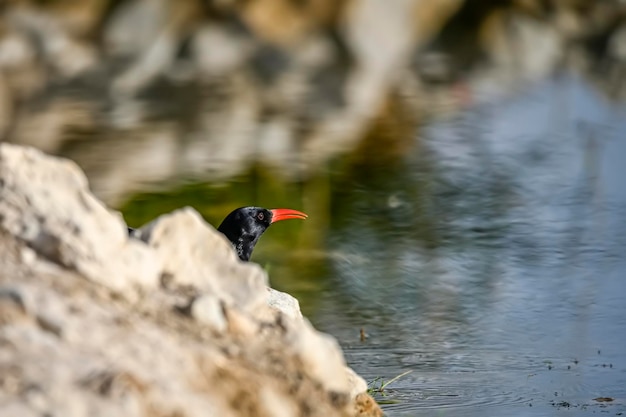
(150, 94)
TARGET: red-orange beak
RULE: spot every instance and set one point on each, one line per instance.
(284, 214)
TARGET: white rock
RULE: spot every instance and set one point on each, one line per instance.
(15, 408)
(45, 202)
(207, 310)
(218, 51)
(92, 355)
(284, 302)
(321, 357)
(357, 384)
(196, 254)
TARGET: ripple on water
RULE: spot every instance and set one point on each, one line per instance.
(449, 390)
(478, 381)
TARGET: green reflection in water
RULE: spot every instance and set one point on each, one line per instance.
(376, 184)
(291, 252)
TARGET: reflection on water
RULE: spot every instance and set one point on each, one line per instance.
(491, 263)
(488, 258)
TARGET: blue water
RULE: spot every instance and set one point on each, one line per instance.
(499, 279)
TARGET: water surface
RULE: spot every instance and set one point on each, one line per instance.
(491, 263)
(487, 259)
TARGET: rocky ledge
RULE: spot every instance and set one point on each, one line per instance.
(95, 324)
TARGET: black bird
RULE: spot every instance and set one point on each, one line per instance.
(245, 225)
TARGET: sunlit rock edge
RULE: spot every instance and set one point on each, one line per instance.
(92, 323)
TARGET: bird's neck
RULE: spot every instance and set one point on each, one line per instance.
(245, 245)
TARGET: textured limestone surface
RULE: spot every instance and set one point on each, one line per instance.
(170, 323)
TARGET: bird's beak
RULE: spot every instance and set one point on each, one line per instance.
(284, 214)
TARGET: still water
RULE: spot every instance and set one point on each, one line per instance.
(489, 260)
(492, 264)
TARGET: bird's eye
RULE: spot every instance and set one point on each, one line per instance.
(260, 216)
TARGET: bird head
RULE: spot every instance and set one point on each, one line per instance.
(245, 225)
